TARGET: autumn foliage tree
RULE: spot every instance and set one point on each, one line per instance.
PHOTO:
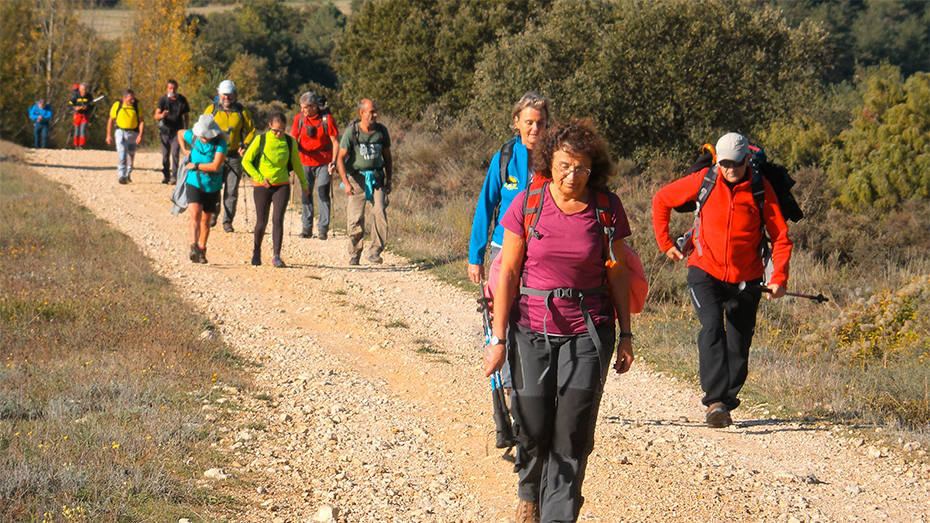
(158, 47)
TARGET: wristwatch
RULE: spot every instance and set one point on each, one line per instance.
(494, 340)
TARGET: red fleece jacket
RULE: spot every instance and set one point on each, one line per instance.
(727, 243)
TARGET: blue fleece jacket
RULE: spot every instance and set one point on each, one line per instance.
(35, 112)
(494, 195)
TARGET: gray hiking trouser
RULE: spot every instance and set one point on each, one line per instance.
(232, 173)
(556, 396)
(125, 151)
(317, 176)
(355, 217)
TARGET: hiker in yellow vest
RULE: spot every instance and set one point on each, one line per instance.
(236, 122)
(128, 134)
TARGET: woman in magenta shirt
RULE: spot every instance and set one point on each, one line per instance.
(556, 298)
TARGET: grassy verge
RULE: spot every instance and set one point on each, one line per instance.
(103, 369)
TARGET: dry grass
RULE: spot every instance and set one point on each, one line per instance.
(102, 369)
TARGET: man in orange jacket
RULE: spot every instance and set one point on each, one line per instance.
(727, 239)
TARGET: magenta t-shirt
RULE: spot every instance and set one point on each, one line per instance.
(569, 252)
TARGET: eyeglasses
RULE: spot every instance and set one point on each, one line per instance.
(276, 132)
(730, 164)
(578, 170)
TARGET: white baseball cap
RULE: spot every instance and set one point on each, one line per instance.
(732, 146)
(226, 87)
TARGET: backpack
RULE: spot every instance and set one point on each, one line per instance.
(261, 148)
(777, 177)
(325, 117)
(505, 156)
(532, 208)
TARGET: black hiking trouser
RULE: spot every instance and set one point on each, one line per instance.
(728, 320)
(556, 396)
(170, 152)
(264, 197)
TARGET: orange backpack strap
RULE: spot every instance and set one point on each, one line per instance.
(604, 216)
(532, 207)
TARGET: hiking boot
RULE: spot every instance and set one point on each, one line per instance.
(228, 227)
(213, 220)
(278, 262)
(527, 512)
(354, 260)
(202, 257)
(195, 253)
(322, 236)
(164, 181)
(375, 260)
(306, 234)
(256, 258)
(718, 416)
(123, 180)
(173, 180)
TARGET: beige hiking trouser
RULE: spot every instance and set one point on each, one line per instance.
(355, 218)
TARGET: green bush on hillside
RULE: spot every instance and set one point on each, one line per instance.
(658, 77)
(408, 54)
(884, 158)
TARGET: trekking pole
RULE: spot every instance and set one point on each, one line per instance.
(819, 298)
(502, 420)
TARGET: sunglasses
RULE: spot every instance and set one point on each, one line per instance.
(276, 132)
(730, 164)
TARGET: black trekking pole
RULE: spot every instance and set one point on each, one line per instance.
(502, 421)
(819, 298)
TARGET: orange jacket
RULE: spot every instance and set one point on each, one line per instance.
(727, 243)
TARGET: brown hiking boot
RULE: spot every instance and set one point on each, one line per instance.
(527, 512)
(718, 416)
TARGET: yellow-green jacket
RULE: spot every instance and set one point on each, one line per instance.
(275, 161)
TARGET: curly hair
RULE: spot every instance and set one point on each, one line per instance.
(578, 137)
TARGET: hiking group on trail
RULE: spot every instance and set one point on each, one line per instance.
(562, 283)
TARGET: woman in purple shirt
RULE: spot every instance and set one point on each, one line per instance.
(556, 299)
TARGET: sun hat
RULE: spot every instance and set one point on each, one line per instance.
(732, 146)
(206, 127)
(226, 87)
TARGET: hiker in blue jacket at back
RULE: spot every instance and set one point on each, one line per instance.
(529, 119)
(41, 116)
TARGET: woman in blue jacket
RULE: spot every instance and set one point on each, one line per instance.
(529, 119)
(41, 116)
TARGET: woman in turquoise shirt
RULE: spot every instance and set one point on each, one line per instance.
(268, 160)
(207, 147)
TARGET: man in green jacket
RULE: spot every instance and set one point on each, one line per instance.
(366, 177)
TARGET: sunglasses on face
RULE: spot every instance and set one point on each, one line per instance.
(730, 164)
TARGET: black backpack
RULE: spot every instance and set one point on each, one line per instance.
(776, 175)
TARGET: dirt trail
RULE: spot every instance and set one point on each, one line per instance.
(369, 400)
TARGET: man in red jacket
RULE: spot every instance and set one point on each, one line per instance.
(727, 239)
(318, 142)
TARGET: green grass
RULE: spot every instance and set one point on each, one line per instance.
(102, 369)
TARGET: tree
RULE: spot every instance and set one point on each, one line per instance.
(883, 160)
(158, 48)
(410, 54)
(657, 77)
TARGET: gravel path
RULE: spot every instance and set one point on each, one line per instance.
(369, 403)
